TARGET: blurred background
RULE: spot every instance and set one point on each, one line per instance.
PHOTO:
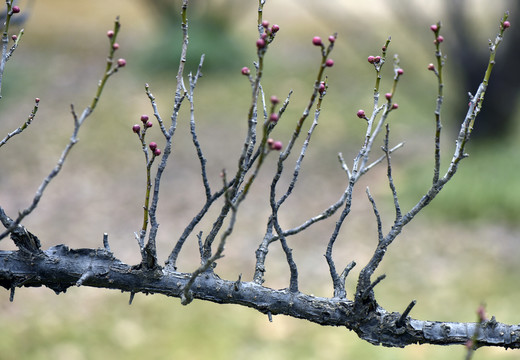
(459, 252)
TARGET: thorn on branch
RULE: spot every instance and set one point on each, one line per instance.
(371, 287)
(237, 284)
(106, 245)
(132, 294)
(84, 277)
(11, 295)
(270, 316)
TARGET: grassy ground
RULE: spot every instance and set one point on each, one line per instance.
(461, 251)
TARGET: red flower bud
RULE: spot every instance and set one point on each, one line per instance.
(265, 24)
(16, 9)
(388, 96)
(321, 89)
(439, 39)
(152, 146)
(434, 28)
(275, 28)
(157, 152)
(115, 46)
(332, 38)
(371, 59)
(329, 63)
(276, 145)
(121, 62)
(395, 106)
(148, 124)
(110, 34)
(14, 37)
(274, 117)
(377, 59)
(37, 100)
(431, 67)
(136, 128)
(274, 100)
(400, 71)
(506, 24)
(245, 70)
(361, 114)
(317, 41)
(144, 118)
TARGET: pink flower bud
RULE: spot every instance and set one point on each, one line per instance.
(14, 37)
(260, 43)
(144, 118)
(270, 142)
(264, 36)
(265, 24)
(434, 28)
(16, 9)
(377, 59)
(245, 70)
(506, 24)
(439, 39)
(317, 41)
(400, 71)
(115, 46)
(157, 152)
(37, 100)
(329, 63)
(110, 34)
(431, 67)
(277, 145)
(388, 96)
(321, 88)
(371, 59)
(332, 38)
(152, 146)
(121, 62)
(275, 28)
(361, 114)
(148, 124)
(274, 100)
(395, 106)
(274, 117)
(136, 128)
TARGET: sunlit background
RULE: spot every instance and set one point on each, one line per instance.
(460, 252)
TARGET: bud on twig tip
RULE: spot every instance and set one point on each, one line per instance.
(317, 41)
(136, 128)
(361, 114)
(121, 62)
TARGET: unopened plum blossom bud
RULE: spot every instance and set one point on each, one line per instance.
(400, 71)
(434, 28)
(16, 9)
(431, 67)
(260, 43)
(265, 24)
(274, 117)
(388, 96)
(115, 46)
(270, 142)
(332, 38)
(148, 124)
(506, 24)
(136, 128)
(157, 152)
(144, 118)
(245, 70)
(371, 59)
(152, 146)
(361, 114)
(276, 145)
(439, 39)
(329, 63)
(317, 41)
(14, 37)
(275, 28)
(377, 59)
(274, 100)
(395, 106)
(121, 62)
(321, 88)
(110, 34)
(37, 100)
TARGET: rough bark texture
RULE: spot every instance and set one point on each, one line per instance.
(60, 268)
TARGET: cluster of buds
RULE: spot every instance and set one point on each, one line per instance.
(120, 62)
(374, 59)
(274, 145)
(267, 35)
(316, 41)
(146, 124)
(274, 117)
(438, 38)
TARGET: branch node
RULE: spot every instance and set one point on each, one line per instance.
(237, 284)
(403, 317)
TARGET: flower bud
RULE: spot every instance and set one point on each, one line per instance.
(121, 62)
(260, 43)
(395, 106)
(136, 128)
(431, 67)
(274, 100)
(157, 152)
(317, 41)
(144, 118)
(110, 34)
(276, 145)
(439, 39)
(332, 38)
(321, 88)
(152, 146)
(400, 71)
(274, 117)
(148, 124)
(377, 59)
(37, 100)
(16, 9)
(434, 28)
(265, 24)
(388, 96)
(329, 63)
(14, 37)
(245, 70)
(115, 46)
(275, 28)
(361, 114)
(371, 59)
(506, 24)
